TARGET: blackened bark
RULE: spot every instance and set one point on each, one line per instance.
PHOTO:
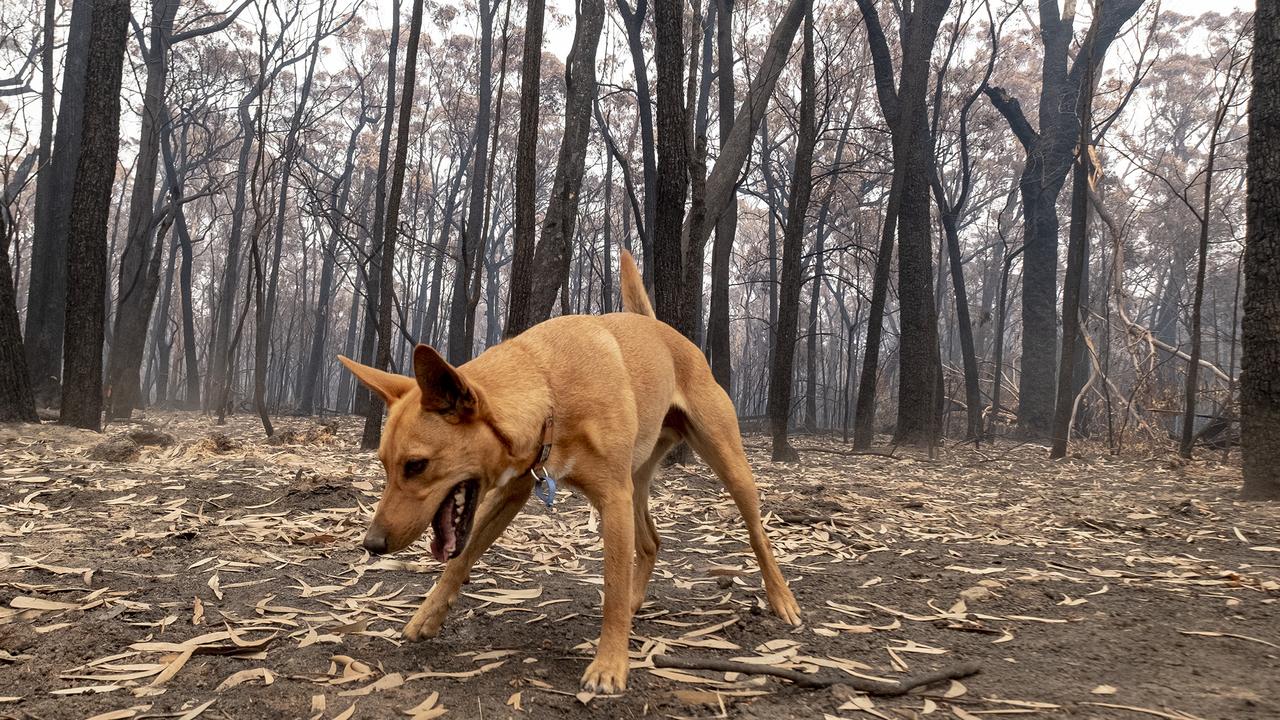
(373, 420)
(633, 20)
(673, 160)
(919, 364)
(1049, 154)
(16, 400)
(964, 324)
(550, 267)
(1076, 265)
(734, 149)
(907, 209)
(526, 191)
(47, 286)
(312, 374)
(372, 272)
(780, 377)
(694, 240)
(162, 341)
(90, 211)
(134, 295)
(191, 360)
(606, 289)
(1260, 363)
(461, 308)
(726, 226)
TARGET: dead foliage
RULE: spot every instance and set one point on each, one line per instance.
(221, 575)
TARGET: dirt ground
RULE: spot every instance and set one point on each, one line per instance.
(221, 576)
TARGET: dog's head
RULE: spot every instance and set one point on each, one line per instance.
(440, 451)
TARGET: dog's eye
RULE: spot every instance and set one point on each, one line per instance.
(414, 467)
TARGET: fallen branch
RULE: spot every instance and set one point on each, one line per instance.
(821, 680)
(834, 451)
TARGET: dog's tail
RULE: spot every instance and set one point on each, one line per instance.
(634, 298)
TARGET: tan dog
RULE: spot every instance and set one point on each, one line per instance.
(610, 395)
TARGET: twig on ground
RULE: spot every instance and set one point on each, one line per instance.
(821, 680)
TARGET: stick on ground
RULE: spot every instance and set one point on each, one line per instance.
(821, 680)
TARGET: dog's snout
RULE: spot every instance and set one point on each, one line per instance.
(375, 540)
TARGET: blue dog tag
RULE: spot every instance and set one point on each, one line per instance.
(545, 489)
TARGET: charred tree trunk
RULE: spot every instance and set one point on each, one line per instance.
(780, 377)
(811, 339)
(550, 267)
(372, 263)
(190, 352)
(134, 296)
(908, 211)
(1260, 363)
(90, 211)
(47, 284)
(162, 341)
(373, 421)
(461, 309)
(526, 191)
(726, 226)
(16, 400)
(633, 19)
(673, 160)
(1049, 153)
(1076, 264)
(313, 374)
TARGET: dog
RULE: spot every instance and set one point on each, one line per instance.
(595, 402)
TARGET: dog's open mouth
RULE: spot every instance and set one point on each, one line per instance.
(452, 523)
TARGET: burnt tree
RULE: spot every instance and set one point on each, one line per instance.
(780, 376)
(1049, 153)
(87, 224)
(907, 212)
(1260, 363)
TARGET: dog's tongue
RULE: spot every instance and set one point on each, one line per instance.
(445, 538)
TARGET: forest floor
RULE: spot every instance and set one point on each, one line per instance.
(221, 576)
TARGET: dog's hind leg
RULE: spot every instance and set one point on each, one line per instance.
(492, 518)
(712, 430)
(647, 540)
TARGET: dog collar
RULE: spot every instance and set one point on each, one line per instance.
(544, 485)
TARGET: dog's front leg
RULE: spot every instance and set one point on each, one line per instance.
(608, 672)
(492, 517)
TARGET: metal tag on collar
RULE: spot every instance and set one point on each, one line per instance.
(544, 488)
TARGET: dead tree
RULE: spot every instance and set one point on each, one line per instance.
(16, 399)
(907, 211)
(526, 174)
(1049, 152)
(780, 376)
(136, 293)
(470, 248)
(47, 289)
(550, 265)
(1260, 380)
(90, 210)
(373, 420)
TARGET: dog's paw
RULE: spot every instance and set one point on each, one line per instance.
(426, 623)
(606, 676)
(785, 606)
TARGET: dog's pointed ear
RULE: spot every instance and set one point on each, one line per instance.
(443, 389)
(389, 386)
